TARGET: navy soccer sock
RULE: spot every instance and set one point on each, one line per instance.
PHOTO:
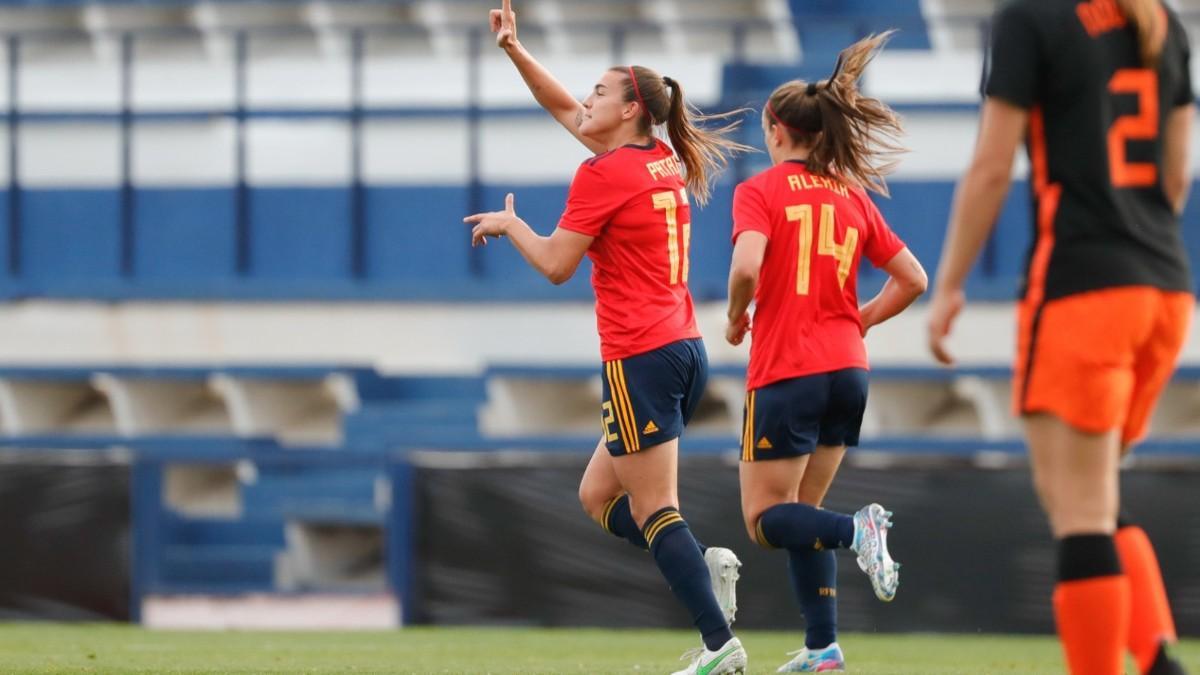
(618, 520)
(679, 559)
(814, 578)
(803, 527)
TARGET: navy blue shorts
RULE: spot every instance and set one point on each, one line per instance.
(792, 417)
(650, 398)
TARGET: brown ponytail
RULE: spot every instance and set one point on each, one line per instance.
(1148, 18)
(848, 132)
(704, 152)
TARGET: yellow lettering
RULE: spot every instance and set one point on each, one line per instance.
(798, 182)
(663, 168)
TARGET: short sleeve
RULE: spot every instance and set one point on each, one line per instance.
(1184, 95)
(1012, 65)
(592, 202)
(882, 244)
(750, 211)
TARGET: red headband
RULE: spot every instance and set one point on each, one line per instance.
(779, 121)
(638, 92)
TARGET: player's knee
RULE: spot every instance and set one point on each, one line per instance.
(593, 500)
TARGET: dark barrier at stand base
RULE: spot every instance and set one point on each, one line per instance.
(509, 544)
(64, 538)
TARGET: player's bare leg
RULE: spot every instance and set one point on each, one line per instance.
(1075, 475)
(822, 467)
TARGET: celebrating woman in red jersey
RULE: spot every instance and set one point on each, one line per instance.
(799, 231)
(628, 210)
(1101, 92)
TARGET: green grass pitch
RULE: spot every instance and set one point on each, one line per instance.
(57, 648)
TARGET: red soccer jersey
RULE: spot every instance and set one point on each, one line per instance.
(632, 200)
(806, 317)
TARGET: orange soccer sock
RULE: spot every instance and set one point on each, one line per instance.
(1150, 623)
(1091, 605)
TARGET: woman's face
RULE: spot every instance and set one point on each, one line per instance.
(605, 110)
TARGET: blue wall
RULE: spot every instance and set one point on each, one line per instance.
(299, 243)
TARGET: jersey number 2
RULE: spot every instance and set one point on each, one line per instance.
(1142, 126)
(679, 235)
(843, 253)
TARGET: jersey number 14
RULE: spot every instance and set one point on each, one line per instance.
(843, 253)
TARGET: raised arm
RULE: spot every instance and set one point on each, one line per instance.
(546, 89)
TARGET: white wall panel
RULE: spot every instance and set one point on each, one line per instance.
(182, 74)
(294, 72)
(60, 75)
(415, 81)
(529, 150)
(421, 151)
(184, 154)
(298, 152)
(75, 155)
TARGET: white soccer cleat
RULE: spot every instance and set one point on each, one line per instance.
(827, 660)
(723, 569)
(870, 543)
(730, 658)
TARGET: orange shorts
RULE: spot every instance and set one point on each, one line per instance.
(1099, 360)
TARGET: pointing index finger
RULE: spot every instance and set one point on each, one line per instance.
(506, 7)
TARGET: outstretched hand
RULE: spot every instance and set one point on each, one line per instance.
(504, 24)
(493, 223)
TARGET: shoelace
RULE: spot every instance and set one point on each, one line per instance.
(692, 655)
